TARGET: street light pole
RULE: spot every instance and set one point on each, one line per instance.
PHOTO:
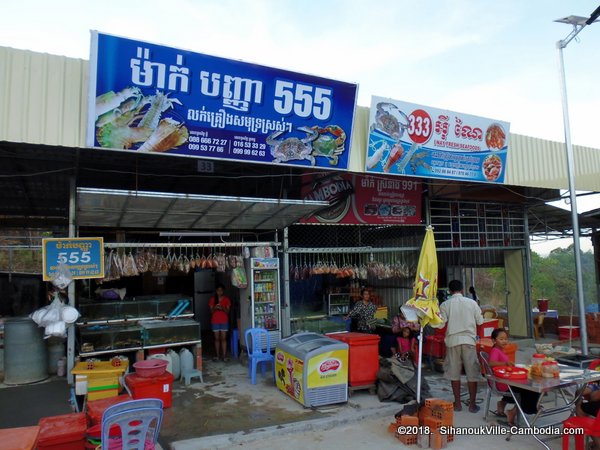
(579, 23)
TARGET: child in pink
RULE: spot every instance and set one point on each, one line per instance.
(407, 345)
(528, 399)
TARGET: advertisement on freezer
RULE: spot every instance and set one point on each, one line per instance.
(415, 140)
(289, 375)
(151, 98)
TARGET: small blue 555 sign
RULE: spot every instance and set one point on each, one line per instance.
(84, 257)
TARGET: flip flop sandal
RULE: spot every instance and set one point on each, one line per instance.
(474, 409)
(498, 414)
(457, 408)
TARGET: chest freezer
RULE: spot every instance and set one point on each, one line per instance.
(312, 369)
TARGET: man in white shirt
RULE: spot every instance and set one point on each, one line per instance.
(462, 315)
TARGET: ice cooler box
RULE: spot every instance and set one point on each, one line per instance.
(363, 357)
(101, 381)
(485, 329)
(160, 387)
(312, 369)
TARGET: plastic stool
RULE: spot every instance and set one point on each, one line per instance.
(187, 377)
(234, 344)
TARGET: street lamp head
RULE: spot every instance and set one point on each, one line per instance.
(593, 16)
(573, 20)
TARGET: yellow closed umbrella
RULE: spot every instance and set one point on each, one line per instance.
(424, 300)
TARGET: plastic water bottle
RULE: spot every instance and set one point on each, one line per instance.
(187, 361)
(176, 363)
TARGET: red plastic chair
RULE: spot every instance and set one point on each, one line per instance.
(590, 428)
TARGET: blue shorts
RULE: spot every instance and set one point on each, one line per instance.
(220, 327)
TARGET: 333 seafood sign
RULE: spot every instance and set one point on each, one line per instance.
(415, 140)
(150, 98)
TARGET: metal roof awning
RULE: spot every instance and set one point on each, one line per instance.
(549, 220)
(162, 210)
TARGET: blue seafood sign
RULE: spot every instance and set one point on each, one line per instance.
(151, 98)
(414, 140)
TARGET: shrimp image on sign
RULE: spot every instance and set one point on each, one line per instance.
(127, 118)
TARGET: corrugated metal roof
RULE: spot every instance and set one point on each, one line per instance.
(44, 101)
(44, 98)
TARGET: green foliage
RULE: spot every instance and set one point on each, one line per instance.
(551, 277)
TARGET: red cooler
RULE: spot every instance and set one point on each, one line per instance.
(363, 357)
(485, 329)
(66, 432)
(155, 387)
(96, 408)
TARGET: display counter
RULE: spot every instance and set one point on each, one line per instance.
(135, 324)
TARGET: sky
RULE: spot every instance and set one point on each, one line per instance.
(495, 59)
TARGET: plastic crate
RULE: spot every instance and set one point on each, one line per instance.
(568, 332)
(65, 432)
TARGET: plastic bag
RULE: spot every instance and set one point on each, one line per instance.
(238, 278)
(48, 314)
(62, 277)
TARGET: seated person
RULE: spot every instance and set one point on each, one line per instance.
(528, 399)
(406, 345)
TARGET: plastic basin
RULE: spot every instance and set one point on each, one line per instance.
(151, 367)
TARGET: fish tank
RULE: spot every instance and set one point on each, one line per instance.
(132, 308)
(160, 332)
(101, 338)
(99, 311)
(320, 325)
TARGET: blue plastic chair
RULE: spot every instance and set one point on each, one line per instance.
(135, 418)
(254, 338)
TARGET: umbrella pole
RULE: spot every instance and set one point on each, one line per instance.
(419, 365)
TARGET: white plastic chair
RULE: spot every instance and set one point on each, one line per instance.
(139, 421)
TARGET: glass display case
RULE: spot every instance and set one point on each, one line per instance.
(318, 324)
(164, 333)
(135, 323)
(108, 338)
(136, 308)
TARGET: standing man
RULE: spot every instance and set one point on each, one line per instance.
(462, 315)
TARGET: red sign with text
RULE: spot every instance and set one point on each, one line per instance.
(364, 199)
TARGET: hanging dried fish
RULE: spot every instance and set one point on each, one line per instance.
(221, 262)
(129, 267)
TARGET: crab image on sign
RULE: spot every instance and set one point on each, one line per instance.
(292, 148)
